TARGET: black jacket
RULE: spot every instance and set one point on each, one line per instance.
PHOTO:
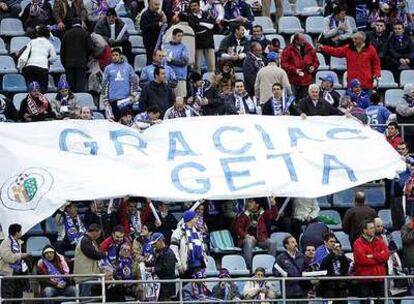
(323, 108)
(328, 265)
(76, 47)
(398, 50)
(216, 104)
(231, 108)
(102, 28)
(104, 221)
(203, 36)
(379, 42)
(150, 27)
(165, 269)
(89, 250)
(156, 94)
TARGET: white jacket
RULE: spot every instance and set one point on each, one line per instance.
(42, 53)
(304, 208)
(252, 289)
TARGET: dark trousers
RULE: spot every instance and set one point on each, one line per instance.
(34, 73)
(76, 78)
(397, 212)
(62, 246)
(300, 91)
(371, 290)
(11, 289)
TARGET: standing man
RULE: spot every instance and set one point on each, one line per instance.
(12, 263)
(164, 266)
(74, 53)
(177, 58)
(251, 66)
(379, 39)
(151, 21)
(371, 255)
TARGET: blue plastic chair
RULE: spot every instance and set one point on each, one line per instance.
(11, 27)
(35, 245)
(406, 77)
(7, 65)
(14, 83)
(130, 25)
(51, 86)
(97, 115)
(266, 23)
(211, 270)
(137, 44)
(35, 230)
(235, 264)
(343, 238)
(314, 25)
(396, 236)
(338, 63)
(344, 199)
(51, 227)
(282, 40)
(324, 202)
(393, 97)
(86, 100)
(290, 25)
(17, 100)
(263, 260)
(221, 241)
(140, 62)
(279, 237)
(3, 50)
(375, 196)
(17, 43)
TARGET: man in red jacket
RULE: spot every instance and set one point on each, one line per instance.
(362, 60)
(300, 62)
(251, 229)
(371, 255)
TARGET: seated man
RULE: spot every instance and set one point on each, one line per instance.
(52, 263)
(405, 108)
(36, 13)
(150, 117)
(234, 46)
(314, 105)
(259, 289)
(326, 248)
(226, 290)
(251, 229)
(328, 92)
(158, 60)
(197, 291)
(337, 30)
(35, 106)
(238, 12)
(180, 109)
(65, 104)
(358, 96)
(277, 104)
(258, 36)
(112, 244)
(400, 55)
(96, 214)
(240, 102)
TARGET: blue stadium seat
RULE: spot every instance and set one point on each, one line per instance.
(51, 227)
(221, 241)
(7, 65)
(51, 86)
(266, 23)
(211, 270)
(308, 39)
(130, 26)
(35, 245)
(290, 25)
(235, 264)
(335, 216)
(97, 115)
(396, 236)
(57, 67)
(11, 27)
(387, 80)
(266, 261)
(406, 76)
(287, 10)
(17, 100)
(338, 63)
(137, 44)
(343, 238)
(17, 43)
(344, 199)
(320, 74)
(14, 83)
(314, 25)
(140, 62)
(385, 215)
(282, 41)
(374, 195)
(86, 100)
(55, 41)
(322, 62)
(217, 41)
(393, 97)
(121, 11)
(279, 237)
(35, 230)
(308, 8)
(3, 50)
(324, 202)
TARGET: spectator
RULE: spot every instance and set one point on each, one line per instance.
(8, 111)
(328, 92)
(336, 264)
(407, 236)
(346, 105)
(202, 23)
(393, 135)
(37, 12)
(337, 30)
(277, 104)
(177, 59)
(70, 228)
(65, 105)
(12, 263)
(358, 96)
(310, 256)
(251, 66)
(313, 234)
(115, 32)
(240, 102)
(226, 291)
(179, 109)
(292, 262)
(273, 46)
(400, 54)
(216, 10)
(324, 250)
(35, 106)
(164, 266)
(131, 217)
(52, 263)
(379, 39)
(371, 255)
(251, 229)
(192, 259)
(96, 214)
(268, 76)
(148, 118)
(386, 236)
(35, 60)
(197, 291)
(351, 223)
(224, 78)
(126, 118)
(202, 225)
(238, 12)
(405, 108)
(75, 50)
(259, 37)
(314, 105)
(168, 222)
(159, 60)
(119, 84)
(112, 244)
(362, 60)
(234, 46)
(259, 289)
(143, 251)
(151, 22)
(10, 9)
(378, 114)
(304, 211)
(65, 11)
(300, 62)
(157, 93)
(87, 256)
(86, 113)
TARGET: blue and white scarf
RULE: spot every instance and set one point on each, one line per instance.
(124, 269)
(15, 248)
(113, 253)
(195, 246)
(74, 232)
(260, 295)
(53, 270)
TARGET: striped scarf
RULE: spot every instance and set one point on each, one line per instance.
(74, 232)
(15, 248)
(195, 246)
(37, 106)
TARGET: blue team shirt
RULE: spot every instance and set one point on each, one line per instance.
(378, 115)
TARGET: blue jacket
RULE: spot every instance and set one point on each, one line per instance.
(378, 115)
(294, 268)
(362, 100)
(320, 254)
(147, 74)
(178, 57)
(118, 79)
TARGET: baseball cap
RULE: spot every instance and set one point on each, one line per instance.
(157, 236)
(189, 215)
(327, 77)
(272, 56)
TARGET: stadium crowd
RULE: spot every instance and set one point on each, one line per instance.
(201, 58)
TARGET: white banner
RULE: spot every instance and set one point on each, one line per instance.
(44, 164)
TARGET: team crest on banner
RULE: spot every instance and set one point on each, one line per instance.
(25, 190)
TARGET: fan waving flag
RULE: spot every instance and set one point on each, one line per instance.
(47, 163)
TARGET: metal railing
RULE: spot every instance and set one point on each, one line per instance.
(180, 283)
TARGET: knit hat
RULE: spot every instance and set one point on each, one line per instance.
(34, 86)
(157, 236)
(63, 84)
(224, 273)
(48, 248)
(408, 88)
(189, 215)
(272, 56)
(354, 83)
(327, 77)
(199, 274)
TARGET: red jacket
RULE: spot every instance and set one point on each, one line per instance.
(292, 60)
(395, 141)
(124, 219)
(108, 242)
(243, 222)
(364, 65)
(365, 266)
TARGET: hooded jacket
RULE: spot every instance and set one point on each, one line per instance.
(59, 262)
